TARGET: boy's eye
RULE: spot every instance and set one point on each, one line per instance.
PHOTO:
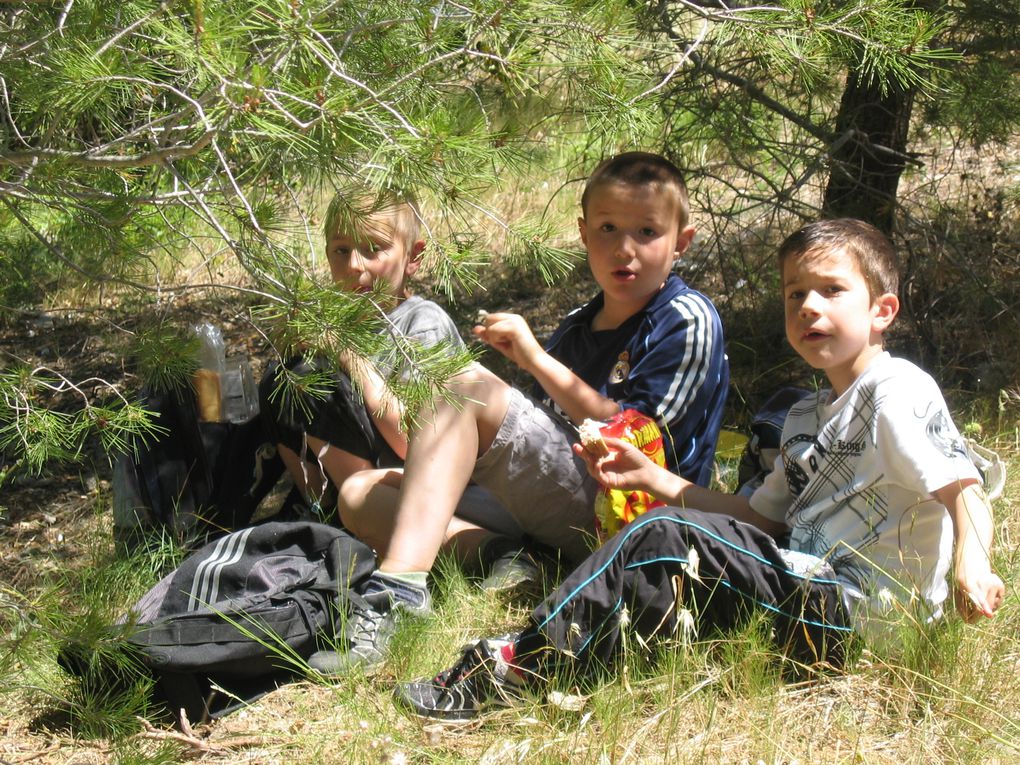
(607, 227)
(371, 249)
(794, 294)
(648, 232)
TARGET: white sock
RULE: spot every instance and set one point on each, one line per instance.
(417, 579)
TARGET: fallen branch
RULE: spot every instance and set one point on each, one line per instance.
(197, 746)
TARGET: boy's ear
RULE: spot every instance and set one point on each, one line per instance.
(414, 257)
(582, 227)
(886, 307)
(684, 238)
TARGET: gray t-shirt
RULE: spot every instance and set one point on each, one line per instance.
(425, 322)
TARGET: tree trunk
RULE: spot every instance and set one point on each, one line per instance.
(868, 152)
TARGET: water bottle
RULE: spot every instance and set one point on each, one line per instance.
(212, 360)
(239, 392)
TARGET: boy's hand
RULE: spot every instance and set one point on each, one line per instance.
(625, 467)
(509, 334)
(979, 591)
(978, 595)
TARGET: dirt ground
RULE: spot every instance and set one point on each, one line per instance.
(52, 522)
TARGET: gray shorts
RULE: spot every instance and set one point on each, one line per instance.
(532, 470)
(478, 506)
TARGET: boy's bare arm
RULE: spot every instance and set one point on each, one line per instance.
(509, 334)
(384, 408)
(979, 591)
(626, 467)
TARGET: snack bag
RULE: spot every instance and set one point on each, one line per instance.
(614, 508)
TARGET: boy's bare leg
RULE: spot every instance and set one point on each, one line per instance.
(307, 476)
(440, 459)
(368, 509)
(338, 463)
(368, 506)
(465, 540)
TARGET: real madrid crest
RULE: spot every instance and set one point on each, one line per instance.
(621, 369)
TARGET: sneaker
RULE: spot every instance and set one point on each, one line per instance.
(508, 566)
(482, 677)
(374, 612)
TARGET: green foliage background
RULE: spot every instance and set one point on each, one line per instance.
(150, 151)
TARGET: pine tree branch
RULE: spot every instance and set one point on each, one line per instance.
(662, 13)
(123, 162)
(130, 28)
(374, 98)
(759, 95)
(211, 218)
(466, 49)
(688, 54)
(55, 250)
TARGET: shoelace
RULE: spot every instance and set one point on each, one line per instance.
(364, 622)
(468, 665)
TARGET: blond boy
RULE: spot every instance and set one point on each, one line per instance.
(373, 244)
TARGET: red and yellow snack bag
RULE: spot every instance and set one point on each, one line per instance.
(614, 508)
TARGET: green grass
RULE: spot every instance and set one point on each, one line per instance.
(949, 694)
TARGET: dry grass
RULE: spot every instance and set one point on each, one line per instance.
(956, 705)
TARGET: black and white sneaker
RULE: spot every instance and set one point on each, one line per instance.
(374, 612)
(481, 678)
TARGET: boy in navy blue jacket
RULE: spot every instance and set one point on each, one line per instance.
(646, 342)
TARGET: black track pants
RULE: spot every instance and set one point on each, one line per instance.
(645, 576)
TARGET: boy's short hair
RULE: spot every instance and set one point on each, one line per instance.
(352, 207)
(640, 168)
(870, 249)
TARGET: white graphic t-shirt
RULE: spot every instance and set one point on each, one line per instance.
(854, 483)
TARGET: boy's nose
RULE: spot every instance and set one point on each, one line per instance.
(356, 263)
(625, 247)
(810, 305)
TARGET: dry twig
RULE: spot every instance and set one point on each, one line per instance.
(197, 746)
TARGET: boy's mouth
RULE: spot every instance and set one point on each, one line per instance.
(624, 274)
(814, 334)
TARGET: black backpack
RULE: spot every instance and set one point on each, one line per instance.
(196, 481)
(238, 617)
(765, 438)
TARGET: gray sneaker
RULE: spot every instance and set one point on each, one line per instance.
(511, 567)
(374, 612)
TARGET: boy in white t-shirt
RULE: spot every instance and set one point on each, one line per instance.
(873, 486)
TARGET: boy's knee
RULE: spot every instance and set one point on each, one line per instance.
(351, 496)
(477, 383)
(483, 396)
